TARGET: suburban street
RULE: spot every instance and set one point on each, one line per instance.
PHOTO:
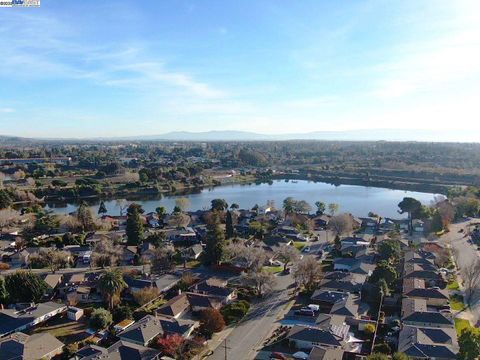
(246, 339)
(466, 254)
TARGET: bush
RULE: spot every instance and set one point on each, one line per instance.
(383, 348)
(369, 329)
(235, 311)
(100, 319)
(211, 321)
(121, 313)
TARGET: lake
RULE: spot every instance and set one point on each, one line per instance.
(358, 200)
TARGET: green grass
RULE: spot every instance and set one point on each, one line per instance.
(456, 302)
(273, 269)
(461, 324)
(453, 285)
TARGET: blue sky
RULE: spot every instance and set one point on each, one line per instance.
(114, 68)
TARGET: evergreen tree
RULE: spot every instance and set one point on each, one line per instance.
(215, 241)
(3, 293)
(25, 286)
(229, 225)
(85, 217)
(134, 224)
(102, 209)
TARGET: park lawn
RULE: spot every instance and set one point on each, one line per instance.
(461, 324)
(456, 302)
(273, 269)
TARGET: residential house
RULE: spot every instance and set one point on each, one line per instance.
(163, 283)
(149, 327)
(419, 271)
(325, 353)
(415, 313)
(428, 343)
(128, 255)
(13, 320)
(20, 346)
(193, 252)
(306, 337)
(215, 287)
(361, 265)
(121, 350)
(199, 302)
(175, 307)
(415, 288)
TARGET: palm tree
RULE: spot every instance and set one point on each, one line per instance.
(110, 285)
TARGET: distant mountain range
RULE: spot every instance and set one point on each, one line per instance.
(231, 135)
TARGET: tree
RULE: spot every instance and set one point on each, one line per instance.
(377, 356)
(110, 285)
(234, 206)
(121, 313)
(182, 203)
(219, 205)
(211, 321)
(410, 206)
(321, 207)
(179, 219)
(161, 212)
(447, 213)
(341, 224)
(51, 258)
(471, 279)
(145, 295)
(333, 208)
(384, 271)
(215, 243)
(122, 204)
(251, 258)
(102, 209)
(162, 260)
(257, 229)
(400, 356)
(469, 343)
(100, 319)
(308, 273)
(25, 286)
(287, 254)
(289, 205)
(229, 225)
(5, 199)
(389, 249)
(261, 282)
(170, 345)
(3, 293)
(8, 217)
(105, 253)
(369, 329)
(134, 230)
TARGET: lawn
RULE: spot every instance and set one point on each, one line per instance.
(65, 329)
(456, 302)
(273, 269)
(461, 324)
(453, 285)
(299, 245)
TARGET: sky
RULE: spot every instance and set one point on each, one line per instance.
(121, 68)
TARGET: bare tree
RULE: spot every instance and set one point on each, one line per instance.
(447, 213)
(122, 204)
(471, 279)
(162, 260)
(8, 217)
(179, 220)
(2, 179)
(52, 259)
(182, 203)
(287, 254)
(261, 281)
(105, 253)
(341, 224)
(308, 273)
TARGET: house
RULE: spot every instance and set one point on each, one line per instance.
(428, 343)
(149, 327)
(199, 302)
(123, 325)
(53, 281)
(74, 313)
(306, 337)
(128, 255)
(121, 350)
(348, 286)
(183, 235)
(12, 320)
(415, 288)
(419, 271)
(418, 226)
(30, 347)
(325, 353)
(354, 265)
(163, 283)
(357, 251)
(327, 298)
(347, 307)
(421, 258)
(193, 252)
(175, 307)
(215, 287)
(415, 313)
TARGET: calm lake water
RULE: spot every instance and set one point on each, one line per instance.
(358, 200)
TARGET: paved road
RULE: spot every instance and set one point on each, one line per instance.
(465, 254)
(247, 338)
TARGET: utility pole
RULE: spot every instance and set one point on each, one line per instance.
(225, 347)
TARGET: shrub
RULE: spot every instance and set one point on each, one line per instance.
(235, 311)
(211, 321)
(369, 329)
(100, 319)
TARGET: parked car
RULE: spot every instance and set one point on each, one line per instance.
(305, 312)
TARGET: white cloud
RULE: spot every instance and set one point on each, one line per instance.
(6, 110)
